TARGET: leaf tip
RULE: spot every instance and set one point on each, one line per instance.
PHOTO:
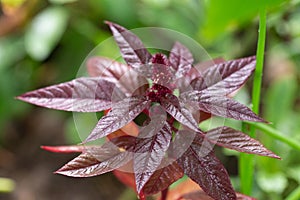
(108, 22)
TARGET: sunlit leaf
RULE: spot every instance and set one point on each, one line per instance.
(121, 114)
(181, 59)
(80, 95)
(233, 139)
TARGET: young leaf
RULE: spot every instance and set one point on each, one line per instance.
(163, 178)
(225, 78)
(221, 106)
(131, 47)
(233, 139)
(203, 167)
(79, 95)
(126, 79)
(99, 160)
(172, 105)
(181, 59)
(149, 152)
(121, 114)
(162, 73)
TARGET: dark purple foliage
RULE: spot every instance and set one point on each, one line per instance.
(164, 150)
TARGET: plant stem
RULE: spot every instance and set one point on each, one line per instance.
(164, 194)
(246, 164)
(294, 195)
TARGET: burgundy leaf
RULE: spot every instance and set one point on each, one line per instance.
(131, 47)
(99, 160)
(175, 108)
(162, 73)
(225, 78)
(203, 66)
(163, 178)
(128, 80)
(203, 167)
(79, 95)
(221, 106)
(149, 152)
(121, 114)
(181, 59)
(183, 83)
(233, 139)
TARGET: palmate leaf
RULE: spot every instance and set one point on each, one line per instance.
(121, 114)
(149, 152)
(163, 178)
(233, 139)
(99, 160)
(126, 79)
(79, 95)
(224, 78)
(181, 59)
(131, 47)
(202, 166)
(173, 106)
(221, 106)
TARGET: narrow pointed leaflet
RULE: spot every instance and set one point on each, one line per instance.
(131, 47)
(125, 78)
(79, 95)
(203, 167)
(172, 105)
(225, 78)
(163, 177)
(121, 114)
(149, 151)
(233, 139)
(181, 59)
(99, 160)
(221, 106)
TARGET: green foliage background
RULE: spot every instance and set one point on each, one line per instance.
(44, 42)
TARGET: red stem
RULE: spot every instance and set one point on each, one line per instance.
(164, 194)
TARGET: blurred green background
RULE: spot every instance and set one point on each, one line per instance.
(44, 42)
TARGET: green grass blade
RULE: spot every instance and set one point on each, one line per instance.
(295, 195)
(246, 163)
